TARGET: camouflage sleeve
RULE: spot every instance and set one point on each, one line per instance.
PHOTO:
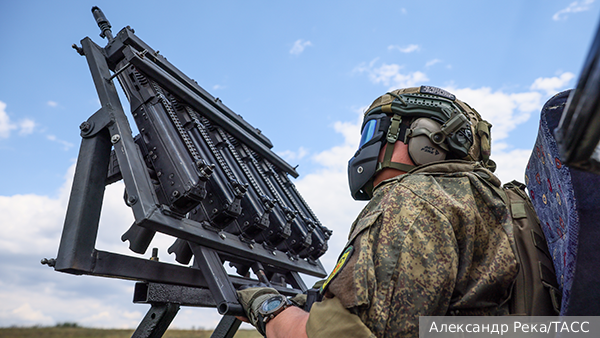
(329, 318)
(404, 265)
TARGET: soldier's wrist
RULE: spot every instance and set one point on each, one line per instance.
(267, 308)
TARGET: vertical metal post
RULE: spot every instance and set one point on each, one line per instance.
(156, 321)
(133, 169)
(220, 286)
(227, 327)
(85, 203)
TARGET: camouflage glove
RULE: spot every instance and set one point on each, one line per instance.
(251, 299)
(299, 300)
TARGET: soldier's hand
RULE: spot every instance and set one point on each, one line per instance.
(251, 299)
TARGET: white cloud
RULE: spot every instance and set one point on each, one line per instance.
(52, 302)
(551, 85)
(407, 49)
(27, 314)
(574, 7)
(290, 155)
(391, 75)
(25, 126)
(299, 46)
(334, 206)
(507, 110)
(432, 62)
(31, 224)
(5, 125)
(66, 145)
(36, 295)
(52, 104)
(217, 87)
(503, 110)
(511, 163)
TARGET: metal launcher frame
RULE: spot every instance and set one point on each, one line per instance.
(578, 134)
(197, 172)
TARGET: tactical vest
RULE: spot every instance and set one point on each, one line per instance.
(535, 292)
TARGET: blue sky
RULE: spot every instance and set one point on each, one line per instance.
(302, 72)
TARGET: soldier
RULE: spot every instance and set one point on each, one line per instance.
(434, 240)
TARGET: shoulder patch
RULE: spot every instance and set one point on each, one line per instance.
(437, 91)
(338, 267)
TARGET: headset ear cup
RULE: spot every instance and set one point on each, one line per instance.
(421, 148)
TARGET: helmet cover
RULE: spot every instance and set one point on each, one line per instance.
(449, 129)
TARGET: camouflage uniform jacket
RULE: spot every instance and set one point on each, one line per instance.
(436, 241)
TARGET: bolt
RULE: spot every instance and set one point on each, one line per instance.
(115, 138)
(50, 262)
(78, 49)
(85, 126)
(154, 255)
(360, 170)
(131, 200)
(222, 235)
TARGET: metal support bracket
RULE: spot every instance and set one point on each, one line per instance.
(221, 288)
(227, 327)
(156, 321)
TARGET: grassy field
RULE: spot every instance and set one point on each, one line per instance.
(80, 332)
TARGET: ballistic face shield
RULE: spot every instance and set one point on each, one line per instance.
(431, 121)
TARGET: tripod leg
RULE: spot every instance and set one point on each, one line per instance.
(227, 327)
(156, 321)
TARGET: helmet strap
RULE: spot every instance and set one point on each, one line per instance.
(483, 131)
(397, 130)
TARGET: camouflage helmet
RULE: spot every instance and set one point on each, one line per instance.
(456, 130)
